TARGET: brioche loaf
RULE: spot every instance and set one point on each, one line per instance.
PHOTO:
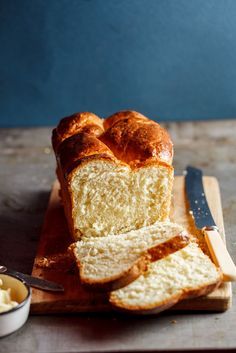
(183, 274)
(115, 260)
(116, 175)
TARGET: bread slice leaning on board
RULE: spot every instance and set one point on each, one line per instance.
(115, 260)
(116, 174)
(184, 274)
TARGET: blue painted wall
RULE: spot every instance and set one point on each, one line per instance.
(170, 59)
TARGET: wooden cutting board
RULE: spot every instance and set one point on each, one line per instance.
(51, 262)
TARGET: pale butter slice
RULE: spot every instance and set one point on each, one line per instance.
(6, 303)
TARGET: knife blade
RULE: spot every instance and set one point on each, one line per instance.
(204, 221)
(34, 281)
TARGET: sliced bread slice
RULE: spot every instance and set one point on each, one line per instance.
(113, 261)
(183, 274)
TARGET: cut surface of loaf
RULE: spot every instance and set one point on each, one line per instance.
(116, 175)
(183, 274)
(115, 260)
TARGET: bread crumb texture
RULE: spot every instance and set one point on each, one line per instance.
(103, 258)
(184, 271)
(110, 199)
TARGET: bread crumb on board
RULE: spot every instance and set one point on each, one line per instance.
(61, 261)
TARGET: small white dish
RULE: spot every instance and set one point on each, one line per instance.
(14, 318)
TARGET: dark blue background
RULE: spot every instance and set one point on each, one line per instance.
(170, 59)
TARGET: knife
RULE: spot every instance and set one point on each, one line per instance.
(34, 281)
(204, 221)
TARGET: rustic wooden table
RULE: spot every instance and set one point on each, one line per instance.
(26, 175)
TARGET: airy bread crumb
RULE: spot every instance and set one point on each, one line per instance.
(115, 260)
(185, 273)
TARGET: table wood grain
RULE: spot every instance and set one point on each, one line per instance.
(26, 175)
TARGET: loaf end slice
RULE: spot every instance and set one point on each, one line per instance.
(114, 261)
(184, 274)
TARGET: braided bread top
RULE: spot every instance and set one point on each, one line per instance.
(126, 137)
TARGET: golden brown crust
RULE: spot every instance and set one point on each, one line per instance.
(78, 122)
(114, 118)
(133, 138)
(169, 247)
(76, 148)
(125, 137)
(137, 268)
(157, 307)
